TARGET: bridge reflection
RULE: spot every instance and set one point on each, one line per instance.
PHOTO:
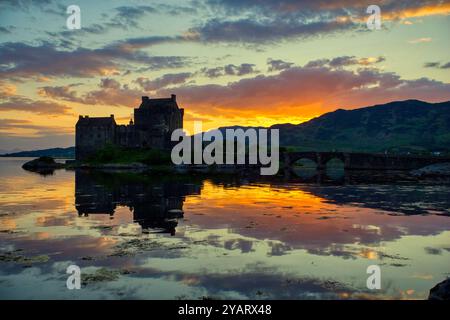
(339, 176)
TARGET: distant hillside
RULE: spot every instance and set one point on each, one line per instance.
(401, 126)
(409, 125)
(54, 152)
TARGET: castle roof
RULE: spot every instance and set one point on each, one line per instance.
(160, 104)
(96, 121)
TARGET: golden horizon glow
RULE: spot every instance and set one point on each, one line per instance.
(223, 77)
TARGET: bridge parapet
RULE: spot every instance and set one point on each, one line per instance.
(364, 161)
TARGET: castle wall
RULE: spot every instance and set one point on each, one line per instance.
(91, 137)
(127, 136)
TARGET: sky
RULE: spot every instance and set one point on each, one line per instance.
(230, 62)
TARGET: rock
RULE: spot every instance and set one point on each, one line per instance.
(441, 291)
(42, 163)
(434, 170)
(13, 256)
(100, 275)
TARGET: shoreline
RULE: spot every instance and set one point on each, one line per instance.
(434, 174)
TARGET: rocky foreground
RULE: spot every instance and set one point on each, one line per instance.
(441, 291)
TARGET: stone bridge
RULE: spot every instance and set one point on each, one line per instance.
(364, 161)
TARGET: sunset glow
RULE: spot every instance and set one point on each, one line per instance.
(222, 73)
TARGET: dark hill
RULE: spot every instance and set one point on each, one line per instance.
(409, 125)
(68, 153)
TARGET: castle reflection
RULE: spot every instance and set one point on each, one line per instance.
(156, 205)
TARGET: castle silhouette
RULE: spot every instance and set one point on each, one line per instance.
(154, 122)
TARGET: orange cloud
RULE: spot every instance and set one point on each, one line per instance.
(442, 8)
(301, 93)
(7, 89)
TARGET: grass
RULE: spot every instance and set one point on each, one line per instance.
(116, 154)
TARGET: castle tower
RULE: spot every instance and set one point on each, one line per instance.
(156, 119)
(92, 134)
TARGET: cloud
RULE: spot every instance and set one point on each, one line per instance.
(122, 17)
(305, 92)
(351, 60)
(278, 65)
(110, 92)
(128, 16)
(230, 70)
(344, 61)
(176, 10)
(20, 60)
(266, 21)
(431, 64)
(437, 65)
(6, 30)
(241, 70)
(420, 40)
(391, 9)
(60, 92)
(20, 134)
(164, 81)
(267, 31)
(213, 72)
(18, 103)
(12, 127)
(25, 4)
(7, 89)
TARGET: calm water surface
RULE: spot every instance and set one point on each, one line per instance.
(164, 238)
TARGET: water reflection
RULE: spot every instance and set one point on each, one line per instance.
(231, 238)
(155, 205)
(324, 219)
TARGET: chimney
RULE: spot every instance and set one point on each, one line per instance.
(80, 117)
(144, 99)
(112, 116)
(173, 97)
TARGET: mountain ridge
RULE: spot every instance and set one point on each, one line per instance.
(68, 152)
(409, 125)
(397, 126)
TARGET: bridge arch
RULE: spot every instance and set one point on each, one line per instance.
(330, 159)
(328, 156)
(335, 162)
(293, 157)
(306, 162)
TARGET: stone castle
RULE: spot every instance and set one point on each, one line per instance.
(154, 122)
